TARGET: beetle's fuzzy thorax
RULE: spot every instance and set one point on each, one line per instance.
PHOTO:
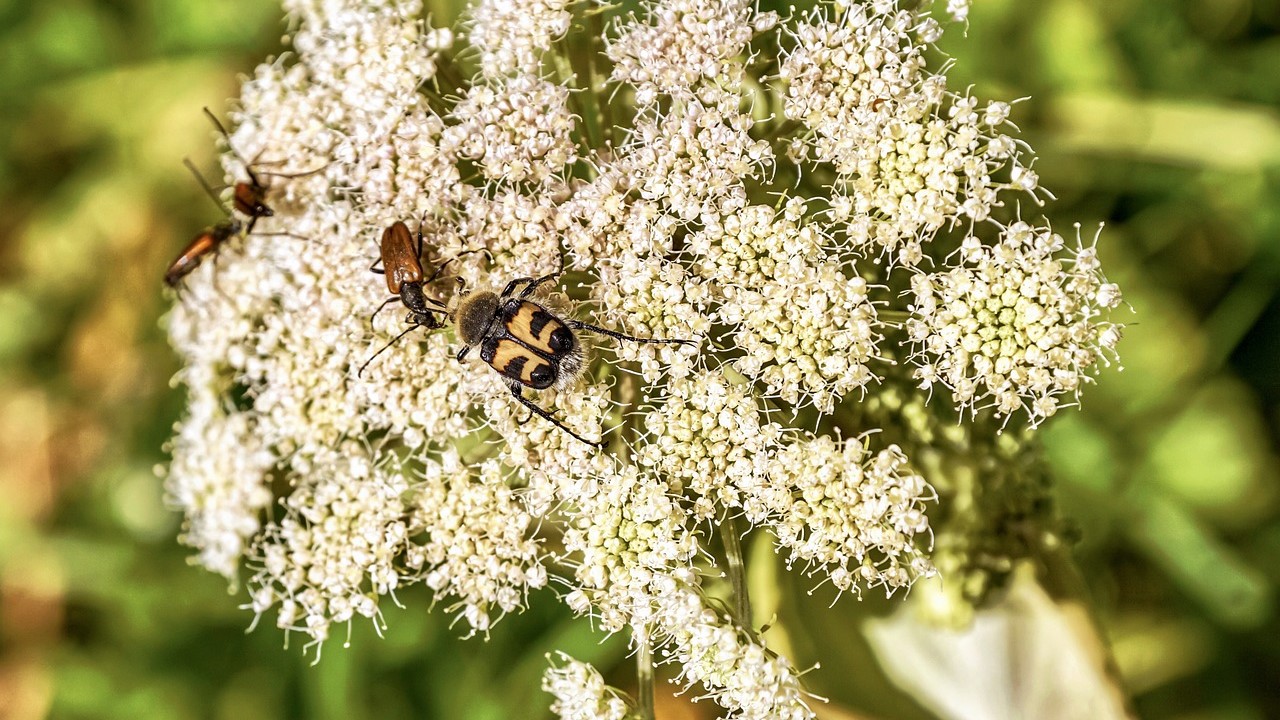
(473, 314)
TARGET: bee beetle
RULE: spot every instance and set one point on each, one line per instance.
(401, 261)
(527, 344)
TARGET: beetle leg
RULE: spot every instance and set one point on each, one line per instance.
(511, 286)
(385, 303)
(462, 354)
(533, 407)
(533, 284)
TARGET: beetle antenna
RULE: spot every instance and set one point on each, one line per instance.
(223, 129)
(205, 184)
(393, 341)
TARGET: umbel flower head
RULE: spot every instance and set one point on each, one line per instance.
(804, 200)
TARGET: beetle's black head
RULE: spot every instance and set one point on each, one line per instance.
(425, 319)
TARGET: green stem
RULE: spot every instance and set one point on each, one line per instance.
(596, 33)
(737, 572)
(586, 135)
(644, 680)
(785, 128)
(447, 71)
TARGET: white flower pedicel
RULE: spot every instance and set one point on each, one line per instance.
(805, 197)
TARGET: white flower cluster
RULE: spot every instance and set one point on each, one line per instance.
(580, 693)
(512, 35)
(518, 131)
(839, 508)
(808, 329)
(695, 161)
(911, 157)
(852, 514)
(707, 438)
(681, 42)
(742, 675)
(223, 495)
(629, 541)
(479, 545)
(337, 473)
(334, 553)
(1017, 324)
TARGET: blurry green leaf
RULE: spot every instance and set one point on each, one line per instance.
(1202, 134)
(1075, 49)
(1232, 592)
(1214, 456)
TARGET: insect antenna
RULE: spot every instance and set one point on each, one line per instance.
(393, 341)
(223, 129)
(213, 195)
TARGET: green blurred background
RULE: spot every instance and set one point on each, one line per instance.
(1159, 118)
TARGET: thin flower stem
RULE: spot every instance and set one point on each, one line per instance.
(644, 680)
(447, 71)
(564, 71)
(785, 128)
(737, 572)
(597, 34)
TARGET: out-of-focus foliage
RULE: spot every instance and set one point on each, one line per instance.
(1157, 117)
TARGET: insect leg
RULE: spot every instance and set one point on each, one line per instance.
(511, 286)
(515, 391)
(385, 303)
(533, 284)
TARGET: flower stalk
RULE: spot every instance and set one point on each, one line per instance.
(736, 568)
(644, 679)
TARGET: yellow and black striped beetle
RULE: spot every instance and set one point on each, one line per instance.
(527, 344)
